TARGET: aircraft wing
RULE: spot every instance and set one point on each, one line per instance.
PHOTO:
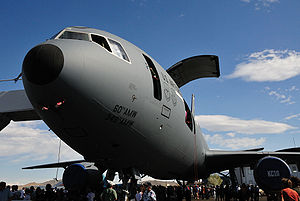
(55, 165)
(233, 159)
(294, 149)
(14, 105)
(255, 149)
(194, 68)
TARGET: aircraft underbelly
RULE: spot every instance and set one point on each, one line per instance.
(102, 135)
(124, 146)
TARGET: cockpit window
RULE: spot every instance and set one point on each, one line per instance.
(74, 35)
(101, 41)
(118, 50)
(155, 78)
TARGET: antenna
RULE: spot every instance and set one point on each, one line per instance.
(294, 142)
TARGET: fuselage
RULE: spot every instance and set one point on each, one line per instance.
(114, 104)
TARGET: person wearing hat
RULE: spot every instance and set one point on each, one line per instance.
(109, 194)
(149, 194)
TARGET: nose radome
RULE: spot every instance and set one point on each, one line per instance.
(43, 64)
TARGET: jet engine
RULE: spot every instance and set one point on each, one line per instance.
(81, 175)
(269, 171)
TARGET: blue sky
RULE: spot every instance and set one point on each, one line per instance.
(255, 102)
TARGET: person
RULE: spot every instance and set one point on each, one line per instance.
(49, 194)
(22, 193)
(179, 193)
(32, 193)
(296, 184)
(227, 192)
(256, 193)
(149, 194)
(243, 192)
(5, 194)
(27, 194)
(109, 194)
(139, 195)
(39, 195)
(203, 191)
(221, 190)
(288, 194)
(15, 193)
(188, 193)
(91, 195)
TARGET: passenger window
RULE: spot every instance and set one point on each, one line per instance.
(118, 50)
(74, 35)
(101, 41)
(155, 78)
(188, 117)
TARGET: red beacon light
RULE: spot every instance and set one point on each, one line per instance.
(58, 104)
(45, 108)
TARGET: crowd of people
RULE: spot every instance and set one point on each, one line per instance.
(147, 192)
(205, 192)
(8, 193)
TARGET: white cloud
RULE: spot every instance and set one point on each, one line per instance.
(277, 95)
(282, 95)
(268, 2)
(293, 88)
(24, 141)
(218, 123)
(292, 116)
(288, 101)
(259, 4)
(234, 143)
(230, 134)
(269, 66)
(140, 2)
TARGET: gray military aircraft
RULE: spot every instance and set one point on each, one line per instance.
(117, 107)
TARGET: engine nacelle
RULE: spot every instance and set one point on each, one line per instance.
(81, 175)
(269, 171)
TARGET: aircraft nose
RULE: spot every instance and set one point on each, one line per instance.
(43, 64)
